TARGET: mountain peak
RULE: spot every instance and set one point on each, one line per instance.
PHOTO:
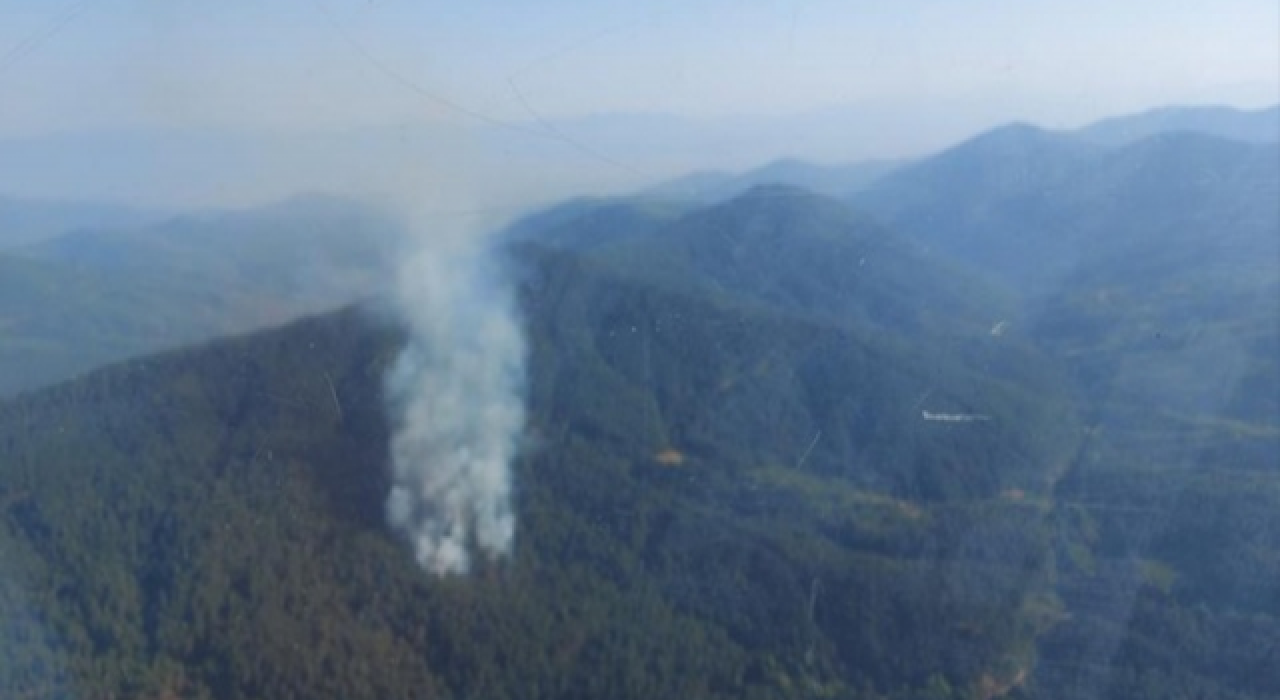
(800, 209)
(1014, 138)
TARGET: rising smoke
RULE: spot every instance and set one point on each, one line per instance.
(456, 402)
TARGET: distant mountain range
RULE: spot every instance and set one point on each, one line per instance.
(1002, 163)
(1253, 126)
(832, 180)
(1028, 205)
(24, 222)
(739, 483)
(93, 295)
(513, 168)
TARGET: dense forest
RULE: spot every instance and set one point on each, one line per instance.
(732, 487)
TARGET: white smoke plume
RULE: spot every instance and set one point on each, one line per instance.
(456, 396)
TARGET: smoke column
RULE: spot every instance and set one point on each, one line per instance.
(457, 409)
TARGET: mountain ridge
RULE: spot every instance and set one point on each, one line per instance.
(678, 480)
(1261, 125)
(815, 453)
(97, 295)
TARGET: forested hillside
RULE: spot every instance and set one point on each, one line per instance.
(1005, 423)
(724, 500)
(1149, 270)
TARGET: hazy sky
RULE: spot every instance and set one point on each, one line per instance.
(824, 80)
(337, 63)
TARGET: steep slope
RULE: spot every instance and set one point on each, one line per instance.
(589, 223)
(1030, 207)
(1185, 289)
(1156, 276)
(1170, 550)
(1149, 271)
(768, 380)
(799, 253)
(966, 202)
(726, 501)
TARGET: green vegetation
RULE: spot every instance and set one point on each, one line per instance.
(89, 297)
(207, 524)
(1144, 271)
(731, 489)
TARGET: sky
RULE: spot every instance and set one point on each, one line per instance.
(524, 70)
